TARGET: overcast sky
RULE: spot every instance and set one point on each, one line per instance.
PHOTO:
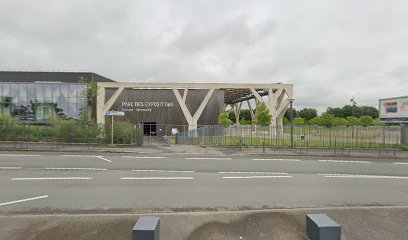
(330, 50)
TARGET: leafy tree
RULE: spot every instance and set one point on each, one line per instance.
(307, 113)
(353, 121)
(295, 113)
(326, 120)
(369, 111)
(298, 121)
(263, 116)
(223, 119)
(340, 121)
(90, 93)
(366, 121)
(245, 115)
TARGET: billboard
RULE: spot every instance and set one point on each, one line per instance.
(394, 109)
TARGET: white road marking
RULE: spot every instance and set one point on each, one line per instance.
(156, 178)
(344, 161)
(361, 176)
(87, 156)
(271, 159)
(283, 173)
(168, 171)
(401, 163)
(196, 158)
(23, 200)
(86, 169)
(142, 157)
(105, 159)
(10, 168)
(19, 155)
(252, 177)
(52, 178)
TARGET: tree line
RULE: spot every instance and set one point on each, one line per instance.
(338, 116)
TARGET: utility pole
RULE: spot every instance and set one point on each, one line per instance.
(291, 122)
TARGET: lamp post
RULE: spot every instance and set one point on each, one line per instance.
(291, 122)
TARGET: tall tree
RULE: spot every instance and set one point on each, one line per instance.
(263, 116)
(307, 113)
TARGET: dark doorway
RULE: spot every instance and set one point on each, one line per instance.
(149, 129)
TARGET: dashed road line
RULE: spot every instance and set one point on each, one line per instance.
(344, 161)
(10, 168)
(20, 155)
(281, 173)
(361, 176)
(85, 169)
(51, 178)
(156, 178)
(255, 177)
(23, 200)
(162, 171)
(401, 163)
(207, 158)
(138, 157)
(276, 159)
(86, 156)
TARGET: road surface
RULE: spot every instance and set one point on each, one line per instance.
(33, 182)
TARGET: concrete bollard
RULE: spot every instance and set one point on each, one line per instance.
(146, 228)
(321, 227)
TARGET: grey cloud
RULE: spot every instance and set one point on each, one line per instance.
(329, 50)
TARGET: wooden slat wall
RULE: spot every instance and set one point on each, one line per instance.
(168, 115)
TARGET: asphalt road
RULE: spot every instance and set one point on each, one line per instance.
(51, 183)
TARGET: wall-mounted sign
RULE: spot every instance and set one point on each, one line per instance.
(115, 113)
(145, 106)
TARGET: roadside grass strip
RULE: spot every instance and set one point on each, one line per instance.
(330, 175)
(344, 161)
(276, 159)
(256, 177)
(51, 178)
(156, 178)
(23, 200)
(162, 171)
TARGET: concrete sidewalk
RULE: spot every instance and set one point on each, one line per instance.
(368, 223)
(195, 149)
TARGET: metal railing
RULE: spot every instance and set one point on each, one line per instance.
(69, 132)
(355, 137)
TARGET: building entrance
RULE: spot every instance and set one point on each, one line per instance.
(150, 128)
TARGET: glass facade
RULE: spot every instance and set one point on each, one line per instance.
(39, 102)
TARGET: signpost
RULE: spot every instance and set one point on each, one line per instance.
(112, 114)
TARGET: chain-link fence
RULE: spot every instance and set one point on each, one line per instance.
(69, 132)
(356, 137)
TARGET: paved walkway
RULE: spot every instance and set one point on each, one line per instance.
(194, 149)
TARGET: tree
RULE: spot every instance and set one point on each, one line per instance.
(326, 120)
(263, 116)
(307, 113)
(353, 121)
(298, 121)
(295, 113)
(224, 119)
(366, 121)
(337, 121)
(90, 93)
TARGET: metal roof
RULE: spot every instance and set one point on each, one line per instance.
(68, 77)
